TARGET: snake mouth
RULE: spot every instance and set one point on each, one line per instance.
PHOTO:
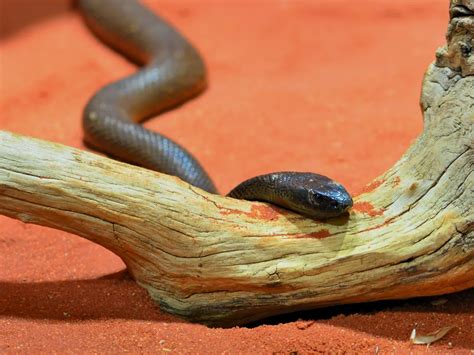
(460, 11)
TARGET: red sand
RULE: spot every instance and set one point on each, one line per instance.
(327, 86)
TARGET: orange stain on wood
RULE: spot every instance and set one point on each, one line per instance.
(396, 181)
(228, 211)
(367, 208)
(261, 212)
(264, 212)
(372, 186)
(376, 183)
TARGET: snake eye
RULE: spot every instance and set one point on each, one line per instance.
(314, 197)
(322, 201)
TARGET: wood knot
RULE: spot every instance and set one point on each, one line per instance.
(413, 187)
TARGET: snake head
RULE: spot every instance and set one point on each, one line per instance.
(309, 194)
(329, 201)
(317, 196)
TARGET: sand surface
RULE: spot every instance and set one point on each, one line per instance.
(324, 86)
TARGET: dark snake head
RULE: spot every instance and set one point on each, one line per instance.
(309, 194)
(314, 195)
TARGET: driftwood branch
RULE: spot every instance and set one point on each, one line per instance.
(222, 261)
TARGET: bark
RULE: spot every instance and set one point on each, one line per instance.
(224, 262)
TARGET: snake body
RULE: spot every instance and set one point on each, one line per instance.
(172, 73)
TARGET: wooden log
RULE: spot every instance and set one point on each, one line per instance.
(225, 262)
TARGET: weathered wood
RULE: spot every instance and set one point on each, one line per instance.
(222, 261)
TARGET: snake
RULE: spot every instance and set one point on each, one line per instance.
(172, 71)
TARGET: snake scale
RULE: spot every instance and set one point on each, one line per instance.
(173, 72)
